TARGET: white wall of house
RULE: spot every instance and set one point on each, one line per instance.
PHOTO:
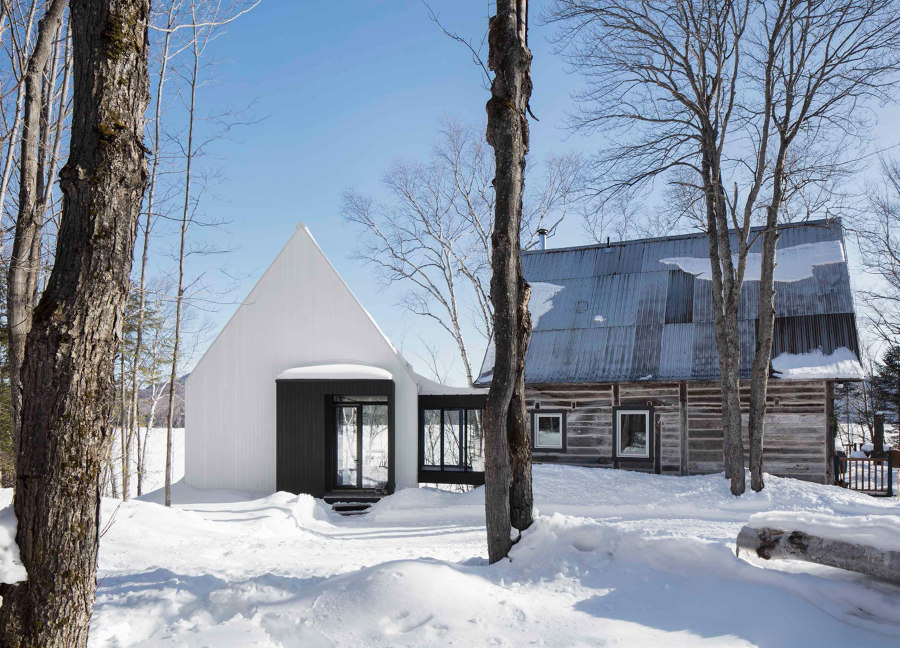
(299, 313)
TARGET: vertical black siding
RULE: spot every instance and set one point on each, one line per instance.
(304, 422)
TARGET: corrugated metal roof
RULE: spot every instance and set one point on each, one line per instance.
(623, 315)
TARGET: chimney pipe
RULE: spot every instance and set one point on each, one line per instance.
(542, 238)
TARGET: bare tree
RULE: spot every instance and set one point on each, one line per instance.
(24, 263)
(508, 497)
(171, 15)
(664, 77)
(206, 17)
(434, 235)
(764, 97)
(824, 59)
(67, 372)
(879, 242)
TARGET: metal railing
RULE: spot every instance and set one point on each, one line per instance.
(870, 475)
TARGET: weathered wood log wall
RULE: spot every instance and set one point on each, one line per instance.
(688, 425)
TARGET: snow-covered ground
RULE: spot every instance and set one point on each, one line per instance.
(154, 457)
(614, 558)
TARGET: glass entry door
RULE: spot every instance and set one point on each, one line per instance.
(361, 442)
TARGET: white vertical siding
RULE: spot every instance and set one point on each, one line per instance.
(299, 313)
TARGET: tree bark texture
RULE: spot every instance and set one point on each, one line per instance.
(769, 543)
(24, 262)
(507, 132)
(70, 350)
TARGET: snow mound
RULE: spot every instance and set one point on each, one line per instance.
(410, 504)
(841, 363)
(419, 602)
(11, 568)
(878, 531)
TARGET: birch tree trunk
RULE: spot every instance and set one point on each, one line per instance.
(185, 220)
(124, 441)
(507, 132)
(770, 543)
(24, 264)
(67, 373)
(148, 222)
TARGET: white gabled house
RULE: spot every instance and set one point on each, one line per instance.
(301, 391)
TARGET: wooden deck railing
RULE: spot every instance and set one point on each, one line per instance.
(865, 474)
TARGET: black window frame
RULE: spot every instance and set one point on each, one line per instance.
(460, 473)
(355, 402)
(563, 414)
(651, 433)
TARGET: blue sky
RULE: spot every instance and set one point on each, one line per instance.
(345, 88)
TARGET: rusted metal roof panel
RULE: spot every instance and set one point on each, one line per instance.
(622, 315)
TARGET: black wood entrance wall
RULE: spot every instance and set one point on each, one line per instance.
(305, 428)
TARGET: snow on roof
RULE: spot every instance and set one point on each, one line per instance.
(644, 310)
(428, 387)
(815, 365)
(336, 372)
(541, 300)
(792, 264)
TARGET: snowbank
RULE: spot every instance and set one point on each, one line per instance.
(879, 531)
(11, 568)
(815, 365)
(614, 557)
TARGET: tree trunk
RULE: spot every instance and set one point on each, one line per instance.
(67, 372)
(726, 294)
(24, 262)
(762, 358)
(769, 543)
(521, 498)
(878, 437)
(145, 252)
(124, 439)
(765, 335)
(185, 220)
(507, 132)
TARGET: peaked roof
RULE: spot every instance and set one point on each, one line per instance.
(642, 310)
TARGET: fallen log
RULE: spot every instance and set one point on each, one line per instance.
(773, 543)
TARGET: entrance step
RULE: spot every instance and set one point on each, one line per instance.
(351, 503)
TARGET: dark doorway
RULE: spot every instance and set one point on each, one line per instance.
(308, 417)
(361, 442)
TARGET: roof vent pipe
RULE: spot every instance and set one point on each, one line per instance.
(542, 238)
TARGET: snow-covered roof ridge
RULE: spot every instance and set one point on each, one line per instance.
(428, 387)
(337, 371)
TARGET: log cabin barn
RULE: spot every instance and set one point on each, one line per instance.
(622, 367)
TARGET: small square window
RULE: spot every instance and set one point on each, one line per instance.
(548, 431)
(633, 433)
